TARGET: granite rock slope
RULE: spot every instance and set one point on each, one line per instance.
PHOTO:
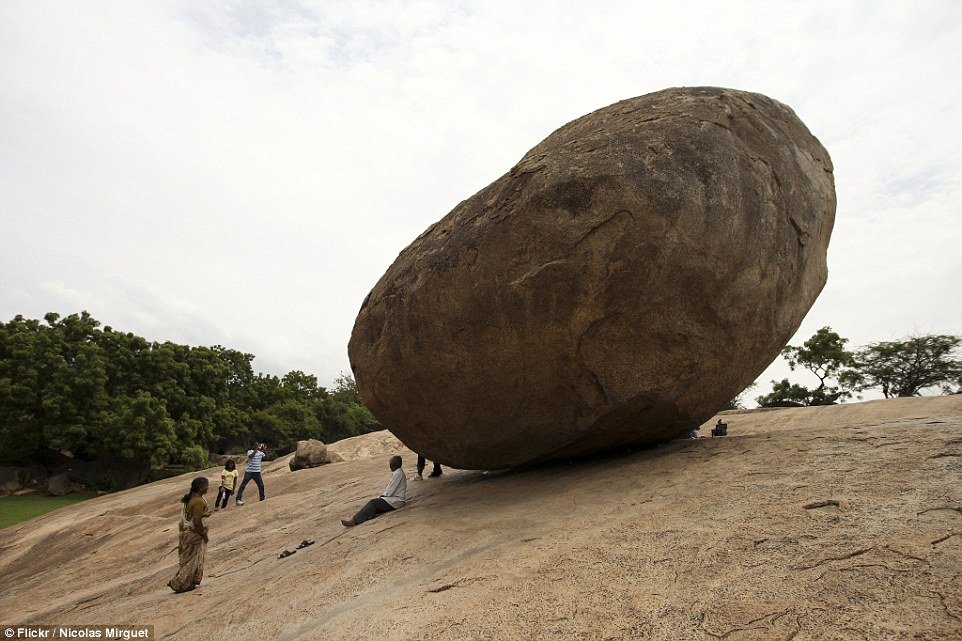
(839, 522)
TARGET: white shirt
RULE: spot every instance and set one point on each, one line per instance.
(396, 489)
(254, 460)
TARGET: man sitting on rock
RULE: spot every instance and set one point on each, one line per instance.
(391, 499)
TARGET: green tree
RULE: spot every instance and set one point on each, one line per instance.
(345, 390)
(138, 429)
(285, 423)
(70, 388)
(194, 457)
(343, 414)
(263, 391)
(825, 356)
(26, 355)
(300, 385)
(786, 394)
(911, 365)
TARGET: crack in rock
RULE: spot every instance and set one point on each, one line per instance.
(829, 559)
(817, 504)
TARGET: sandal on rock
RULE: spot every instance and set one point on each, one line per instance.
(285, 554)
(304, 544)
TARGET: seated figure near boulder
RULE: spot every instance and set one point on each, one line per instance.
(422, 461)
(391, 499)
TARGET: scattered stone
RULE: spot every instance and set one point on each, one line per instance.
(310, 453)
(9, 479)
(59, 485)
(32, 475)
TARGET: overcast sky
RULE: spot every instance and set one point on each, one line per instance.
(242, 173)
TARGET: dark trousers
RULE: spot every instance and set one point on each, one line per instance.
(247, 478)
(222, 493)
(372, 509)
(421, 463)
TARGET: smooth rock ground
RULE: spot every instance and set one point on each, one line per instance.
(628, 277)
(812, 523)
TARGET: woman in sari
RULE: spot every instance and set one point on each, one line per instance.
(192, 546)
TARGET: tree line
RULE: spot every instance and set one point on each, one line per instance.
(905, 367)
(71, 388)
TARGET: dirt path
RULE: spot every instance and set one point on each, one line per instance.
(813, 523)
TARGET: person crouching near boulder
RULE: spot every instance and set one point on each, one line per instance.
(192, 545)
(391, 499)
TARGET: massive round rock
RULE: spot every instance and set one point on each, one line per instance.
(619, 285)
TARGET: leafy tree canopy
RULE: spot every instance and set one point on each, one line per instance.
(825, 356)
(68, 387)
(899, 368)
(786, 394)
(908, 366)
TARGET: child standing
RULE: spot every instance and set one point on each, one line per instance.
(228, 481)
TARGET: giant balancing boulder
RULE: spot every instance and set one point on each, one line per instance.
(634, 272)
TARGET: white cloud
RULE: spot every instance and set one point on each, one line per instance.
(242, 173)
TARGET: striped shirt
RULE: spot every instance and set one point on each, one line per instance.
(254, 460)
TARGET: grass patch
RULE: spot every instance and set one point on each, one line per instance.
(16, 509)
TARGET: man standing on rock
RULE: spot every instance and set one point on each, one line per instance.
(422, 461)
(254, 458)
(391, 499)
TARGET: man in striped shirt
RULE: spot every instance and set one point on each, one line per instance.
(254, 458)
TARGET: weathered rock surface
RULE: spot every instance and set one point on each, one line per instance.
(9, 479)
(310, 453)
(60, 485)
(376, 444)
(634, 272)
(815, 523)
